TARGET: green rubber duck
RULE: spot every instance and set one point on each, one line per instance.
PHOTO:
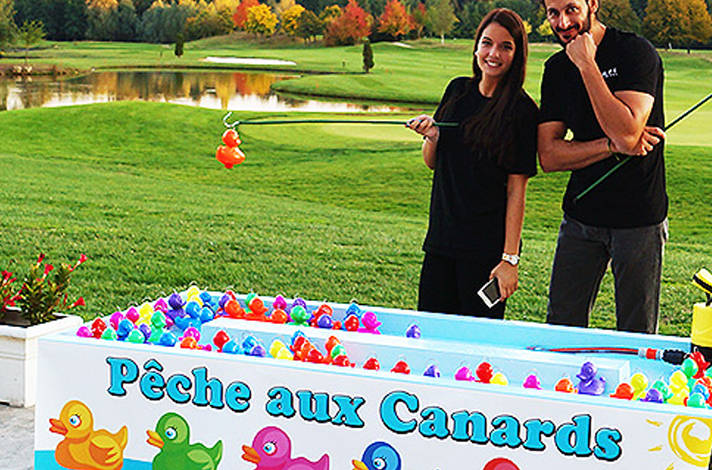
(172, 437)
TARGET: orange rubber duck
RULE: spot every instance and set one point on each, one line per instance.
(83, 448)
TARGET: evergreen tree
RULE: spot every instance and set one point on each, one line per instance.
(179, 45)
(368, 62)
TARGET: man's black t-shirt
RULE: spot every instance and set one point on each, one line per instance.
(469, 195)
(634, 195)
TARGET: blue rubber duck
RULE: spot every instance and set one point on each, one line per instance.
(172, 437)
(378, 455)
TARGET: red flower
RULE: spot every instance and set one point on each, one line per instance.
(82, 258)
(79, 303)
(48, 268)
(6, 275)
(40, 258)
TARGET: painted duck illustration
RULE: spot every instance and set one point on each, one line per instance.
(378, 455)
(272, 450)
(172, 437)
(83, 447)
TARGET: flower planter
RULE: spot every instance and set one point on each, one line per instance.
(18, 355)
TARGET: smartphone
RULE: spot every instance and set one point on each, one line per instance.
(489, 293)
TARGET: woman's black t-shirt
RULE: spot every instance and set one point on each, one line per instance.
(469, 194)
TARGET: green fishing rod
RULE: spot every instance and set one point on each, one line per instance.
(235, 124)
(625, 160)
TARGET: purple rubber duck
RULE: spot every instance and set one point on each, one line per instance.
(590, 384)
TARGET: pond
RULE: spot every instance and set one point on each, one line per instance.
(235, 91)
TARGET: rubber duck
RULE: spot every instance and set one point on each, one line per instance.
(172, 436)
(82, 446)
(378, 455)
(590, 384)
(624, 391)
(639, 382)
(532, 382)
(370, 323)
(565, 385)
(271, 449)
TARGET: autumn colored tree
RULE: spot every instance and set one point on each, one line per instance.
(441, 17)
(619, 14)
(329, 14)
(261, 20)
(395, 21)
(240, 15)
(353, 24)
(290, 19)
(419, 15)
(309, 25)
(677, 22)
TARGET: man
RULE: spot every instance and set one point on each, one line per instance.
(605, 87)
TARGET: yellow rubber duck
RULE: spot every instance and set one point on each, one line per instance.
(83, 448)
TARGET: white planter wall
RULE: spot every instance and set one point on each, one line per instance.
(18, 358)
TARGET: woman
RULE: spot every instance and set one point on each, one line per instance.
(481, 168)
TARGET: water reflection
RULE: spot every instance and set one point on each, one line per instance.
(235, 91)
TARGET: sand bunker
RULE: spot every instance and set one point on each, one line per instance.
(247, 61)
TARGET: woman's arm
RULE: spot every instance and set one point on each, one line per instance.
(425, 126)
(508, 275)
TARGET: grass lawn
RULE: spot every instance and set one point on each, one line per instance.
(332, 212)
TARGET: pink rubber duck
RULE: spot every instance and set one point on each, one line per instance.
(272, 450)
(370, 323)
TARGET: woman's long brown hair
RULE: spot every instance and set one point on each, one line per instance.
(492, 128)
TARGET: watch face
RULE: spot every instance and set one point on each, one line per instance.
(511, 259)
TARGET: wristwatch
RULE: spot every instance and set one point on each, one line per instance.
(511, 259)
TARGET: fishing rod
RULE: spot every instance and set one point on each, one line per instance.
(671, 356)
(627, 158)
(235, 124)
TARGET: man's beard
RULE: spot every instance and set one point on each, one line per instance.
(584, 29)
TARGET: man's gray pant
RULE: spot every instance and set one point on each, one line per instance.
(582, 256)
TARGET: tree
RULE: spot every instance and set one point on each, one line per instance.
(240, 15)
(30, 33)
(126, 21)
(700, 26)
(619, 14)
(178, 51)
(670, 22)
(419, 15)
(367, 56)
(441, 17)
(63, 20)
(353, 24)
(290, 19)
(395, 21)
(309, 25)
(329, 14)
(7, 25)
(545, 30)
(261, 20)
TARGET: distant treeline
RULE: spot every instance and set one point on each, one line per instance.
(676, 23)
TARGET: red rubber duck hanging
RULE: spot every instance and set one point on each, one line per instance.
(230, 153)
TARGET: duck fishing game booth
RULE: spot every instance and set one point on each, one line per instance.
(214, 380)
